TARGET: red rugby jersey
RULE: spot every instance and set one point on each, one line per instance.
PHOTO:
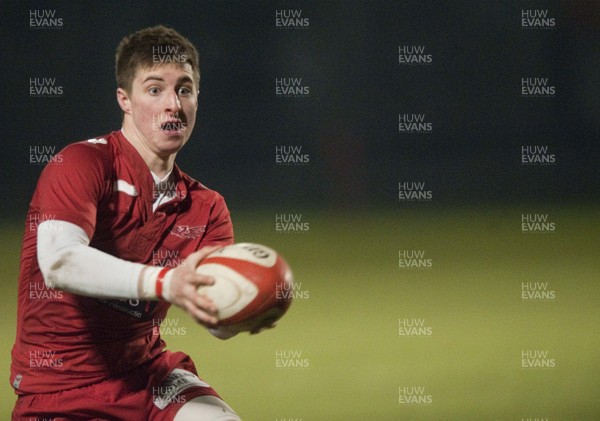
(103, 185)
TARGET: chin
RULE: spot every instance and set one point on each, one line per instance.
(172, 144)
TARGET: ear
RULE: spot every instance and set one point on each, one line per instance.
(123, 100)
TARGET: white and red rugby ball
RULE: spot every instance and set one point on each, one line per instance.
(251, 285)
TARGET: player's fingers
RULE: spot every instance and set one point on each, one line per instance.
(185, 284)
(199, 315)
(205, 251)
(198, 280)
(206, 304)
(194, 259)
(198, 299)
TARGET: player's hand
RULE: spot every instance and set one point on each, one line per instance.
(184, 289)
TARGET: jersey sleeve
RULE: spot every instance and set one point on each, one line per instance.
(71, 186)
(219, 231)
(69, 264)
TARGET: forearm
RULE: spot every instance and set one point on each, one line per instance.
(68, 263)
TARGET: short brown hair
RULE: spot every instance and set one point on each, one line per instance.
(150, 47)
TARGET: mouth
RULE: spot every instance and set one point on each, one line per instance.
(173, 126)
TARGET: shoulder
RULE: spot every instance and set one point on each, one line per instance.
(81, 162)
(80, 172)
(94, 151)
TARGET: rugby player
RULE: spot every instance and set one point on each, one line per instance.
(89, 346)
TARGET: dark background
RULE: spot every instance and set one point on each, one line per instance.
(349, 124)
(347, 262)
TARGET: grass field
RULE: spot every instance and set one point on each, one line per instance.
(343, 330)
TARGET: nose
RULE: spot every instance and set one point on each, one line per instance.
(173, 104)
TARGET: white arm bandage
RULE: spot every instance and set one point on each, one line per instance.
(68, 263)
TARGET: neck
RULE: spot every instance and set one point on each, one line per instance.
(158, 164)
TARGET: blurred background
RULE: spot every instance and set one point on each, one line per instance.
(345, 55)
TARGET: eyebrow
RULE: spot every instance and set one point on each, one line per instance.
(160, 79)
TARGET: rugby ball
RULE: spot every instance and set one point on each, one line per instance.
(251, 289)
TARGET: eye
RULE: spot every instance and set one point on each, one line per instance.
(153, 90)
(184, 91)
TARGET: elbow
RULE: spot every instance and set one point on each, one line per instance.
(54, 269)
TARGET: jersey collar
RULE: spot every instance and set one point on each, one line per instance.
(144, 176)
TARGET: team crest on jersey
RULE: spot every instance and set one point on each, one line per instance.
(185, 231)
